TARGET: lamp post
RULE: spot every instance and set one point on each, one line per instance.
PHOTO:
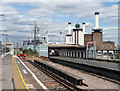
(5, 42)
(61, 36)
(2, 40)
(2, 34)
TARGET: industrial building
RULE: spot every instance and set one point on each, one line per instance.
(78, 36)
(97, 37)
(78, 43)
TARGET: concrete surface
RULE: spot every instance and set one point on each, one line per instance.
(7, 73)
(0, 73)
(114, 66)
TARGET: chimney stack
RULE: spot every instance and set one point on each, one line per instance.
(96, 20)
(69, 30)
(83, 26)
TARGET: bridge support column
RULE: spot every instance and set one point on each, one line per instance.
(102, 54)
(113, 54)
(77, 54)
(80, 54)
(74, 54)
(96, 54)
(83, 54)
(71, 54)
(66, 53)
(107, 54)
(93, 53)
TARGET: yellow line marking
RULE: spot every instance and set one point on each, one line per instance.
(21, 76)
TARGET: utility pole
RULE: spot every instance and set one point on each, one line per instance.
(36, 31)
(61, 36)
(16, 48)
(47, 36)
(2, 40)
(5, 42)
(35, 36)
(2, 34)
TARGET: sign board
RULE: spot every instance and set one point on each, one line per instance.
(8, 44)
(90, 42)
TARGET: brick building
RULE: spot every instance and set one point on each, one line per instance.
(97, 37)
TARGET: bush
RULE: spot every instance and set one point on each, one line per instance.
(30, 51)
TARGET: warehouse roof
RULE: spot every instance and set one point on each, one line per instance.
(65, 46)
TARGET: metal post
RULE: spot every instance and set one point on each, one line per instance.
(95, 50)
(2, 41)
(61, 36)
(86, 52)
(5, 42)
(2, 46)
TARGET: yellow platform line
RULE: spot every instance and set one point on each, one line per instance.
(26, 87)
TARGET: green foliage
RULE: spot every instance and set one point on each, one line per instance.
(18, 53)
(21, 49)
(25, 51)
(30, 51)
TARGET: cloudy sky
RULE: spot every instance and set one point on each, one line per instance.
(53, 16)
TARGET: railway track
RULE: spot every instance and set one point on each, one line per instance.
(57, 78)
(69, 86)
(104, 72)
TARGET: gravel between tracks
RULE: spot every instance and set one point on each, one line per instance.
(46, 80)
(93, 82)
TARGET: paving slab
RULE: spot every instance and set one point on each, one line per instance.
(7, 73)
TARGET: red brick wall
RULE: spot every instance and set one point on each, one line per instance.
(97, 37)
(108, 45)
(87, 38)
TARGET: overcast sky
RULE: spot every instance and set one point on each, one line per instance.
(53, 16)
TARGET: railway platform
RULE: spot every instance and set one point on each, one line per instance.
(103, 64)
(18, 74)
(15, 76)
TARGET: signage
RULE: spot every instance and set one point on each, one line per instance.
(8, 44)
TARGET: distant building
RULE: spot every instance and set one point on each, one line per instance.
(44, 40)
(0, 45)
(25, 43)
(97, 37)
(69, 35)
(77, 36)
